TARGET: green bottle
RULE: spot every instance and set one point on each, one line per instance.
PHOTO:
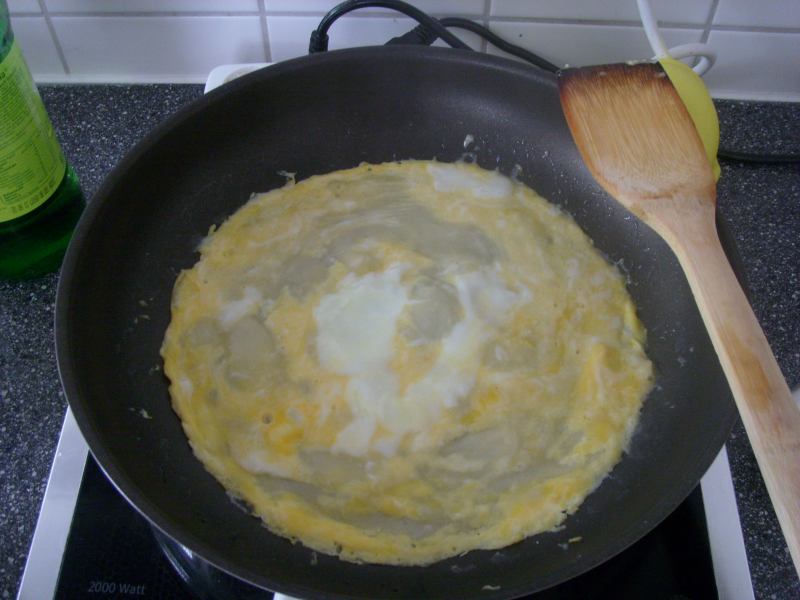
(40, 197)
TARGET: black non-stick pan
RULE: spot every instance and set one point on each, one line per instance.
(315, 115)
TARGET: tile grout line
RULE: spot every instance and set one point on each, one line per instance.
(384, 15)
(56, 42)
(262, 17)
(554, 21)
(487, 11)
(596, 22)
(251, 13)
(712, 13)
(152, 13)
(366, 14)
(755, 29)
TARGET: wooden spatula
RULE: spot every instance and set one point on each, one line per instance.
(641, 145)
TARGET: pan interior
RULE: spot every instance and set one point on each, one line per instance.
(435, 360)
(311, 116)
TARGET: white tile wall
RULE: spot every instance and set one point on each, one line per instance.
(289, 36)
(139, 6)
(18, 6)
(181, 40)
(768, 63)
(171, 48)
(678, 11)
(599, 43)
(436, 7)
(40, 51)
(766, 13)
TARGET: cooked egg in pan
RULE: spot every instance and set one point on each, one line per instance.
(397, 363)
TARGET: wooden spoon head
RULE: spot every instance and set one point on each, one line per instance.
(635, 134)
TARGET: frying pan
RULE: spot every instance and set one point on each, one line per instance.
(314, 115)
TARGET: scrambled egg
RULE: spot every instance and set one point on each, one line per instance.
(397, 363)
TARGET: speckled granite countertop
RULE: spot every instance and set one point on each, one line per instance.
(98, 124)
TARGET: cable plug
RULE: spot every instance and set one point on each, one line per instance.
(420, 35)
(318, 42)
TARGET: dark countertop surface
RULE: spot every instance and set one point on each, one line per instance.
(98, 124)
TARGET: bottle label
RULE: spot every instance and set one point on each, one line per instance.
(31, 162)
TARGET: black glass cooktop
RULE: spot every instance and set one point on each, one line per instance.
(112, 552)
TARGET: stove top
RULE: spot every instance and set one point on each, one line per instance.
(112, 551)
(90, 542)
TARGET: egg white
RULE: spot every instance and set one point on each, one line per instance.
(397, 363)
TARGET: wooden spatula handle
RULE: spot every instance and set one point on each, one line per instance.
(768, 411)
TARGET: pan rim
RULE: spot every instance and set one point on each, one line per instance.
(66, 294)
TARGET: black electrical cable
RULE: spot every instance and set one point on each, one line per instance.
(749, 157)
(319, 37)
(422, 35)
(429, 29)
(499, 42)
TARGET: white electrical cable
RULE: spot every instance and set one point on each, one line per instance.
(706, 54)
(650, 25)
